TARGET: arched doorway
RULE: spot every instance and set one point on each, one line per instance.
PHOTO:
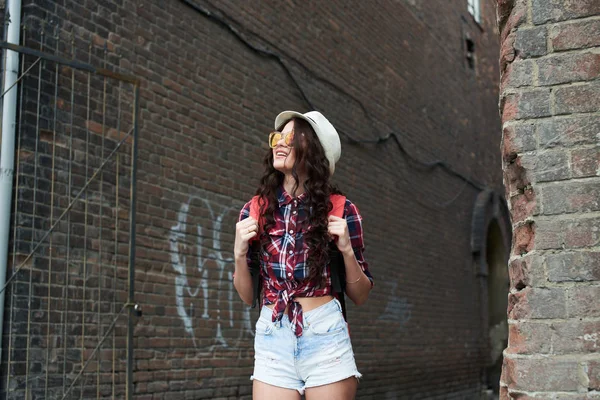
(491, 236)
(497, 299)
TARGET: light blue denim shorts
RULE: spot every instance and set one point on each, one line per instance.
(322, 355)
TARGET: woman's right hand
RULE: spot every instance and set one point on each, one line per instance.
(244, 231)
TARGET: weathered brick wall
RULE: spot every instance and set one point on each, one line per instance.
(207, 102)
(550, 103)
(68, 287)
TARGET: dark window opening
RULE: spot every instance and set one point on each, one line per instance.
(470, 44)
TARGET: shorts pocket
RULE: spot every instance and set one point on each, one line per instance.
(329, 325)
(264, 327)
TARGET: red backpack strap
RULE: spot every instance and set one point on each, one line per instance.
(339, 204)
(254, 208)
(338, 271)
(255, 253)
(255, 213)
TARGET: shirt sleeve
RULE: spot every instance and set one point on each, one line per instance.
(245, 213)
(354, 221)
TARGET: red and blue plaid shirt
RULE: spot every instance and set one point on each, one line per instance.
(284, 263)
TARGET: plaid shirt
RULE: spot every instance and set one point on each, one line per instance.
(284, 263)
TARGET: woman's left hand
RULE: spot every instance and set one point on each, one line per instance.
(338, 227)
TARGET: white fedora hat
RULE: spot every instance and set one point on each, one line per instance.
(328, 136)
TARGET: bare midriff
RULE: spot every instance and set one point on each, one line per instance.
(308, 303)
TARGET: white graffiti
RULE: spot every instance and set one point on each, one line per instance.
(590, 337)
(398, 308)
(188, 252)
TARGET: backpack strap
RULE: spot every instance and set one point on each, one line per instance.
(339, 204)
(255, 271)
(255, 208)
(338, 275)
(255, 251)
(336, 260)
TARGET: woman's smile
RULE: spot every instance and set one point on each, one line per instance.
(280, 153)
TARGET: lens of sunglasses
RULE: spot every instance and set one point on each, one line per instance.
(275, 137)
(289, 138)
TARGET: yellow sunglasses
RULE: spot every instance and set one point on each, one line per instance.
(274, 137)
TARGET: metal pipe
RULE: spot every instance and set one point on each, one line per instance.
(133, 197)
(33, 228)
(70, 62)
(7, 154)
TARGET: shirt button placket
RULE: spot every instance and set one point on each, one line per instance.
(291, 229)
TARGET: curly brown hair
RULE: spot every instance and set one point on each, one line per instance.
(310, 156)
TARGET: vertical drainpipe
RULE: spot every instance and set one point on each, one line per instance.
(7, 155)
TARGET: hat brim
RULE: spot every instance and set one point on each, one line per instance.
(285, 116)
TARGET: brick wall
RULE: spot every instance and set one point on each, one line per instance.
(207, 100)
(549, 103)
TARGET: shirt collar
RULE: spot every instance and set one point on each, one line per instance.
(285, 198)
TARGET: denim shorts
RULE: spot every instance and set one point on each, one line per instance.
(322, 355)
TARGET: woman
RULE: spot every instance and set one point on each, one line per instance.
(302, 342)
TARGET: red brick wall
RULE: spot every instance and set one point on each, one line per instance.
(207, 102)
(549, 105)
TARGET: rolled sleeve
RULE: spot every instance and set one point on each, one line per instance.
(354, 221)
